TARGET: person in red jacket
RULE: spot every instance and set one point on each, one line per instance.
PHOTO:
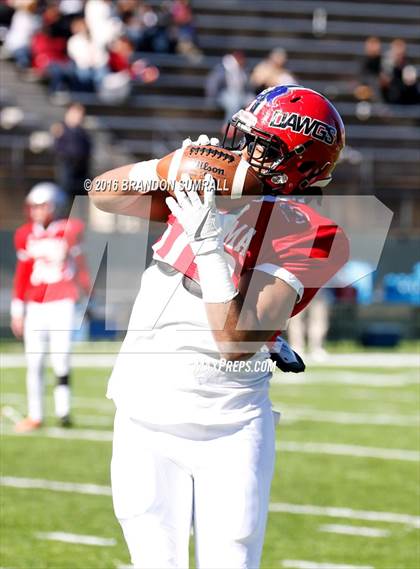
(50, 271)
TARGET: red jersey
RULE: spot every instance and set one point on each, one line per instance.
(50, 264)
(285, 239)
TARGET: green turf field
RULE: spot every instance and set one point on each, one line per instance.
(345, 491)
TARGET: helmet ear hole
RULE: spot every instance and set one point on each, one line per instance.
(306, 166)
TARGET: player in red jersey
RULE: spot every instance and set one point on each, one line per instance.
(50, 272)
(194, 430)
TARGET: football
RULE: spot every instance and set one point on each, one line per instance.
(234, 177)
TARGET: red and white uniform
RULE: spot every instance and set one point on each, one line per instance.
(198, 440)
(288, 240)
(50, 271)
(50, 266)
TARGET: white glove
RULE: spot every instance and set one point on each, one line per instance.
(202, 225)
(202, 140)
(200, 220)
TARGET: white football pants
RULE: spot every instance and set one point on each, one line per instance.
(48, 325)
(216, 480)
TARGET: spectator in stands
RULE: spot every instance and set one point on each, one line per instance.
(186, 36)
(125, 69)
(58, 22)
(368, 88)
(227, 84)
(72, 145)
(398, 87)
(102, 22)
(411, 87)
(48, 46)
(86, 68)
(90, 59)
(393, 64)
(163, 35)
(272, 71)
(24, 24)
(122, 57)
(133, 25)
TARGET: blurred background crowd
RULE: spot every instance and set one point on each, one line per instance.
(92, 84)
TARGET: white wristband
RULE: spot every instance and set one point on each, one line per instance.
(17, 308)
(215, 279)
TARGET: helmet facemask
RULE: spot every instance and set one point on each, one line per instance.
(267, 153)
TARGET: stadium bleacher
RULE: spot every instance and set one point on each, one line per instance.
(157, 116)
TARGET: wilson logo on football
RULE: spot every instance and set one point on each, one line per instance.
(206, 167)
(309, 126)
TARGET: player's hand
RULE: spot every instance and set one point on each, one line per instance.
(202, 140)
(16, 325)
(200, 219)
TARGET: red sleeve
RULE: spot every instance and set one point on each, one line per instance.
(74, 234)
(22, 273)
(304, 249)
(82, 273)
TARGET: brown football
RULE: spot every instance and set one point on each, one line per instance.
(234, 176)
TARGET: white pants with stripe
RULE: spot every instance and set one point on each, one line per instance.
(216, 479)
(48, 327)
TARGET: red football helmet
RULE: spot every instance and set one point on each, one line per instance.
(293, 137)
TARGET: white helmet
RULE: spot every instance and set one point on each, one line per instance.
(47, 192)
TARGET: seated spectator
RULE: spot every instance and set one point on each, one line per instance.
(411, 88)
(163, 37)
(140, 23)
(125, 69)
(86, 68)
(227, 84)
(393, 63)
(58, 22)
(90, 59)
(122, 58)
(102, 22)
(24, 24)
(133, 25)
(368, 88)
(72, 147)
(186, 36)
(47, 49)
(272, 71)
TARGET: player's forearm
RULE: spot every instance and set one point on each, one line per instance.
(107, 192)
(131, 190)
(236, 328)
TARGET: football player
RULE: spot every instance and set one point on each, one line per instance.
(194, 439)
(50, 272)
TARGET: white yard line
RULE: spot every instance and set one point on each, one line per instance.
(284, 446)
(303, 564)
(354, 530)
(11, 413)
(62, 433)
(288, 413)
(77, 360)
(300, 509)
(77, 538)
(371, 360)
(54, 485)
(15, 416)
(340, 377)
(345, 418)
(345, 513)
(349, 450)
(97, 403)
